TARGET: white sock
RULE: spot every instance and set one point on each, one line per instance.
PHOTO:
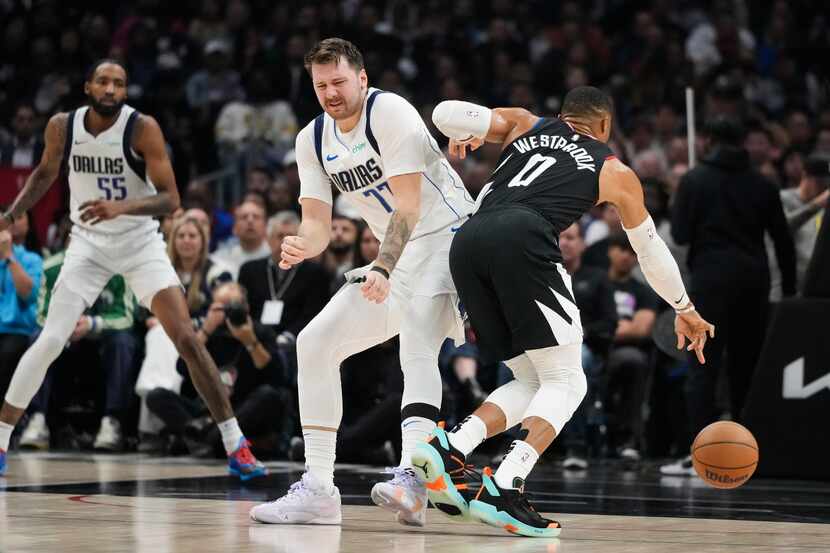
(320, 450)
(468, 435)
(413, 430)
(5, 435)
(517, 463)
(231, 434)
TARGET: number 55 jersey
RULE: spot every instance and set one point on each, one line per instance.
(106, 167)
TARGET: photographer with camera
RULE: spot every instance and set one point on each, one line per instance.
(255, 380)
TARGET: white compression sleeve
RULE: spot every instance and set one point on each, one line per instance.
(658, 265)
(462, 120)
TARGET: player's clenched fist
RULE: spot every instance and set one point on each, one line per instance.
(294, 251)
(376, 287)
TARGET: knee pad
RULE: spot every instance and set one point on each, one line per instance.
(514, 397)
(562, 384)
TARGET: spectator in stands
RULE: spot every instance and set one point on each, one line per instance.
(259, 130)
(279, 197)
(284, 300)
(722, 210)
(338, 258)
(595, 298)
(199, 194)
(217, 84)
(822, 147)
(246, 354)
(249, 230)
(804, 207)
(25, 146)
(596, 255)
(20, 274)
(258, 179)
(105, 331)
(628, 360)
(792, 167)
(198, 273)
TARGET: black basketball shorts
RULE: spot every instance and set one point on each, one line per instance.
(505, 265)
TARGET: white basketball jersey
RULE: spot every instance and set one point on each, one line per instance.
(105, 167)
(390, 139)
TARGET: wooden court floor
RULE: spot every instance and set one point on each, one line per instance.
(90, 503)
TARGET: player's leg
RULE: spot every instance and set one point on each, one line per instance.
(347, 325)
(78, 286)
(562, 386)
(154, 282)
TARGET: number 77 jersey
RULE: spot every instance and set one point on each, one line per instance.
(105, 167)
(390, 139)
(551, 169)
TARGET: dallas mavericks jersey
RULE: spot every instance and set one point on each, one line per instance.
(358, 164)
(106, 167)
(551, 169)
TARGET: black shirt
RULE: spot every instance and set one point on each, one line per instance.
(551, 169)
(631, 295)
(594, 296)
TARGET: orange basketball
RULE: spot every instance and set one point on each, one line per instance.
(725, 454)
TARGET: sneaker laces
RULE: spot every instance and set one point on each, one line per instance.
(404, 476)
(295, 492)
(244, 455)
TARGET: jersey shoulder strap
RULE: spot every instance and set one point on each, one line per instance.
(67, 145)
(370, 136)
(318, 137)
(136, 164)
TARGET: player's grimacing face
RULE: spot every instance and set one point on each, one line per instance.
(107, 90)
(339, 88)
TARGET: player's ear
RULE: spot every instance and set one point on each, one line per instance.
(364, 79)
(86, 88)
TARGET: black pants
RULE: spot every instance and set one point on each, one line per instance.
(371, 430)
(738, 309)
(12, 348)
(626, 374)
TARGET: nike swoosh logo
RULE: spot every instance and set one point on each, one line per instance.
(331, 157)
(681, 299)
(80, 142)
(501, 164)
(455, 229)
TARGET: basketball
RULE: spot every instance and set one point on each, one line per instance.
(725, 454)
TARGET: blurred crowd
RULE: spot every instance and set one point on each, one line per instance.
(225, 80)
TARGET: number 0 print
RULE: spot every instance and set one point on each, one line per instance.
(535, 166)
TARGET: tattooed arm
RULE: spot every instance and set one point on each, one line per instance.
(148, 141)
(44, 174)
(407, 191)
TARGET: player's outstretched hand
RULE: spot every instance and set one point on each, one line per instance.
(376, 287)
(95, 211)
(696, 329)
(458, 148)
(294, 251)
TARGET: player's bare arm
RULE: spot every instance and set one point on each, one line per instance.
(407, 192)
(312, 238)
(470, 125)
(44, 174)
(619, 185)
(148, 141)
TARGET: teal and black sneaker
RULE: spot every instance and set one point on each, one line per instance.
(510, 509)
(449, 480)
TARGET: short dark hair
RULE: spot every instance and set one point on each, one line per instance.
(90, 72)
(587, 101)
(620, 240)
(330, 50)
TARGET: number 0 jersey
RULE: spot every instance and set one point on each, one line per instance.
(551, 169)
(106, 167)
(390, 139)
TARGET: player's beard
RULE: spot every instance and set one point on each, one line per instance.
(105, 110)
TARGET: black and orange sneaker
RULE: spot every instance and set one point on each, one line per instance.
(510, 509)
(449, 480)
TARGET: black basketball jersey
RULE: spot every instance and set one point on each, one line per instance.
(551, 169)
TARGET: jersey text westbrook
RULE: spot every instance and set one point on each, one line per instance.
(583, 159)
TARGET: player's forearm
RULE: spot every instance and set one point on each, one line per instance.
(23, 283)
(400, 227)
(316, 234)
(36, 186)
(162, 203)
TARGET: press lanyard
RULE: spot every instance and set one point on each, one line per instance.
(277, 294)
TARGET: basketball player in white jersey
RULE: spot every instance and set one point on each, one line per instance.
(119, 178)
(374, 148)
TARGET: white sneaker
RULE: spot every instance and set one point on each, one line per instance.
(404, 495)
(109, 435)
(683, 467)
(305, 503)
(36, 433)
